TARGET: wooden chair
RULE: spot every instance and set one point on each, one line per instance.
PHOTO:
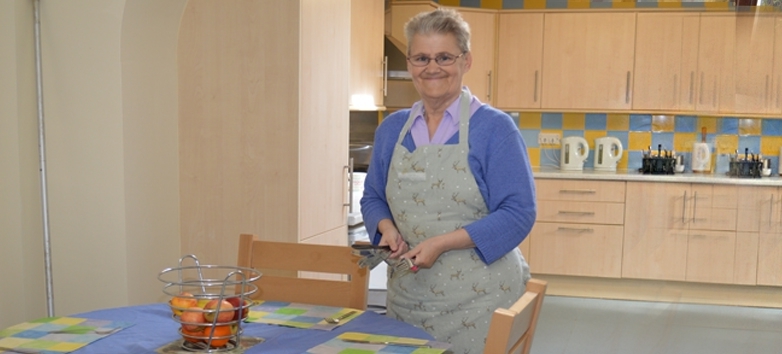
(339, 281)
(511, 330)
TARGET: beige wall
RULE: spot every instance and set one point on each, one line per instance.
(110, 91)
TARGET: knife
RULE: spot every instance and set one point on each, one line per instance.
(20, 350)
(377, 342)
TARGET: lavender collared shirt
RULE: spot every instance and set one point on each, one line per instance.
(448, 126)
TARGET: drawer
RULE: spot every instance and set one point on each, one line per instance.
(580, 190)
(581, 212)
(576, 249)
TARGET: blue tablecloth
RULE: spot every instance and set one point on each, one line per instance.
(153, 328)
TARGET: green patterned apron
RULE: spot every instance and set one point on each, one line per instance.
(432, 191)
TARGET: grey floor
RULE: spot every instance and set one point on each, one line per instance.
(595, 326)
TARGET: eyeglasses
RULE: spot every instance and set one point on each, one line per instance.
(444, 59)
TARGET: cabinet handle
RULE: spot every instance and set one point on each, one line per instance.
(488, 88)
(675, 90)
(700, 89)
(349, 168)
(578, 191)
(575, 229)
(692, 83)
(770, 210)
(694, 206)
(585, 213)
(535, 88)
(684, 207)
(767, 96)
(627, 88)
(778, 88)
(714, 94)
(385, 76)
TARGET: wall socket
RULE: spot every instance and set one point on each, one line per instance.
(548, 139)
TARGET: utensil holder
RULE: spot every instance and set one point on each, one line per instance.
(657, 165)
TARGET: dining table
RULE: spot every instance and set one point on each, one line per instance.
(151, 327)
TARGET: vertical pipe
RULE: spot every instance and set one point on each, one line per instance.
(42, 160)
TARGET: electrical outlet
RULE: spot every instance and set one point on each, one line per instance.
(548, 139)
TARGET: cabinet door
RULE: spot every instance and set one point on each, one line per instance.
(519, 60)
(576, 249)
(482, 34)
(366, 54)
(745, 265)
(711, 256)
(716, 89)
(666, 53)
(754, 63)
(713, 207)
(655, 239)
(589, 60)
(776, 82)
(770, 259)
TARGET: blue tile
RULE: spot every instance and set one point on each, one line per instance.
(549, 157)
(512, 4)
(664, 138)
(640, 122)
(729, 125)
(693, 4)
(551, 121)
(566, 133)
(645, 4)
(556, 4)
(470, 3)
(749, 141)
(530, 137)
(634, 160)
(595, 121)
(600, 5)
(686, 124)
(772, 127)
(622, 136)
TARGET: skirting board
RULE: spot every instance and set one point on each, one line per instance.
(663, 291)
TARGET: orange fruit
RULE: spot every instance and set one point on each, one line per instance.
(220, 331)
(193, 336)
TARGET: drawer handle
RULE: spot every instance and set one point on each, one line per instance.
(578, 191)
(575, 229)
(586, 213)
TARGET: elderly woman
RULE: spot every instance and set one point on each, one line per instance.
(449, 188)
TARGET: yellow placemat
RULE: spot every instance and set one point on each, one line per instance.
(58, 334)
(350, 343)
(297, 315)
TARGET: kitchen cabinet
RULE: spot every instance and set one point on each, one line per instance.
(367, 62)
(760, 212)
(398, 15)
(776, 82)
(579, 228)
(666, 60)
(715, 80)
(519, 60)
(755, 81)
(588, 60)
(479, 79)
(263, 123)
(684, 232)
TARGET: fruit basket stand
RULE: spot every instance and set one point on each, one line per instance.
(210, 303)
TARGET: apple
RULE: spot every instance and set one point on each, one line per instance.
(193, 336)
(181, 302)
(191, 318)
(241, 311)
(223, 309)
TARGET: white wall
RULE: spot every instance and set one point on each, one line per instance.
(110, 91)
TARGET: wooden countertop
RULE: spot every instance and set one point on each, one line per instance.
(635, 176)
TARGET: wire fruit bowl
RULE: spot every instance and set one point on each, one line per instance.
(210, 303)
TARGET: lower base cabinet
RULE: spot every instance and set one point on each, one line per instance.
(576, 249)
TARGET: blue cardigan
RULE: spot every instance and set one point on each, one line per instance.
(498, 160)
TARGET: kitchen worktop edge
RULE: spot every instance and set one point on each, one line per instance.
(635, 176)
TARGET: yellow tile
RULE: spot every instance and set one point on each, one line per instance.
(529, 120)
(639, 140)
(769, 145)
(716, 4)
(623, 161)
(624, 4)
(491, 4)
(578, 4)
(726, 144)
(534, 156)
(683, 141)
(662, 123)
(573, 121)
(535, 4)
(450, 2)
(619, 122)
(707, 121)
(591, 135)
(750, 126)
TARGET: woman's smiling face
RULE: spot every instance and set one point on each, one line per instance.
(435, 82)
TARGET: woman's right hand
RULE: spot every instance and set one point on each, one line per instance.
(392, 238)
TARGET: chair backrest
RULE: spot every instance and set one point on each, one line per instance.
(511, 330)
(332, 275)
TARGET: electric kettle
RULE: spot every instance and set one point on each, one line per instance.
(574, 151)
(608, 151)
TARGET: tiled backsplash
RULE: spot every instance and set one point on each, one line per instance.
(584, 4)
(638, 132)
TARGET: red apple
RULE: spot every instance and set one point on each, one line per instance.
(182, 301)
(223, 309)
(191, 318)
(241, 311)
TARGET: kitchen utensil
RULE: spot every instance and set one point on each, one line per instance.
(83, 331)
(401, 344)
(701, 155)
(573, 152)
(335, 320)
(679, 164)
(608, 151)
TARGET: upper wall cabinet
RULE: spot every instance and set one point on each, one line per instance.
(519, 60)
(367, 63)
(715, 78)
(666, 61)
(757, 83)
(588, 60)
(482, 35)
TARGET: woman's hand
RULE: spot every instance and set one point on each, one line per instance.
(392, 238)
(426, 253)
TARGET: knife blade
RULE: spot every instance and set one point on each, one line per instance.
(402, 344)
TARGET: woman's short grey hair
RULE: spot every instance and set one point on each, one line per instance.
(440, 21)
